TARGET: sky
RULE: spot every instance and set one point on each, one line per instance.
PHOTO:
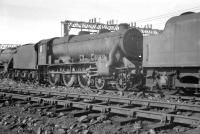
(28, 21)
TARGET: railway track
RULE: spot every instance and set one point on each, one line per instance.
(163, 112)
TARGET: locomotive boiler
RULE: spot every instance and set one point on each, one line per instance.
(172, 58)
(97, 59)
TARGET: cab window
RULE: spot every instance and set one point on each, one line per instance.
(40, 49)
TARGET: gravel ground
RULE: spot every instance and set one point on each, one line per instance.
(15, 120)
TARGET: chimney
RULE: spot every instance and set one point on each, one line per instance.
(123, 26)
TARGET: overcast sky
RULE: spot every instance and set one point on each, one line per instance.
(28, 21)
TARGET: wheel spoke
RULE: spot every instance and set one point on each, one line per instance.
(84, 81)
(68, 80)
(54, 79)
(122, 83)
(100, 82)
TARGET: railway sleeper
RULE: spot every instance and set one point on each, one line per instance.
(62, 109)
(37, 94)
(47, 95)
(124, 120)
(80, 113)
(31, 106)
(76, 99)
(193, 131)
(172, 111)
(102, 103)
(21, 102)
(161, 126)
(45, 107)
(166, 118)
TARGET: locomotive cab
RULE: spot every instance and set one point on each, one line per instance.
(44, 50)
(45, 58)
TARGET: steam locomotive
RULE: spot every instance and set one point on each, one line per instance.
(123, 59)
(92, 60)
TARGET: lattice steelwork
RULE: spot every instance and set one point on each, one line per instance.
(4, 46)
(68, 25)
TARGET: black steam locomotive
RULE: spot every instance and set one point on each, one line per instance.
(122, 59)
(97, 60)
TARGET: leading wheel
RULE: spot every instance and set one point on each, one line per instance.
(54, 79)
(122, 82)
(68, 80)
(100, 82)
(83, 80)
